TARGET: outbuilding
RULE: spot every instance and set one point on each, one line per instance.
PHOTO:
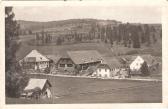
(37, 88)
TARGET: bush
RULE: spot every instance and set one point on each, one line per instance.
(145, 69)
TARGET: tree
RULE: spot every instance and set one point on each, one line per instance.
(147, 34)
(30, 32)
(135, 37)
(129, 43)
(15, 79)
(59, 41)
(144, 69)
(154, 38)
(111, 42)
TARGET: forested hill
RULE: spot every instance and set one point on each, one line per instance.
(111, 32)
(35, 25)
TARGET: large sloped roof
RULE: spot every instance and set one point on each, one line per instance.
(85, 56)
(114, 63)
(36, 83)
(35, 56)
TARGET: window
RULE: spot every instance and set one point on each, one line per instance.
(62, 65)
(84, 67)
(69, 65)
(99, 70)
(105, 70)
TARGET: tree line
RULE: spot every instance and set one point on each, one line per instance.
(128, 35)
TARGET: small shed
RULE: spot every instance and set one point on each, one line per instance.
(37, 88)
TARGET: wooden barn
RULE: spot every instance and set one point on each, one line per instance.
(70, 60)
(37, 88)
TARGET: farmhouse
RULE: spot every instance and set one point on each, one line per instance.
(112, 69)
(65, 63)
(37, 88)
(85, 58)
(138, 61)
(72, 60)
(103, 71)
(118, 69)
(34, 60)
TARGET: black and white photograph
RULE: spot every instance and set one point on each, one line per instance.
(83, 54)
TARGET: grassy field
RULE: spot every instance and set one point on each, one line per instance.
(86, 90)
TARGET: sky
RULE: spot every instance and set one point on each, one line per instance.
(136, 14)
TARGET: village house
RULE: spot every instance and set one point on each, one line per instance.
(135, 66)
(137, 62)
(112, 69)
(34, 60)
(37, 88)
(102, 71)
(118, 69)
(65, 64)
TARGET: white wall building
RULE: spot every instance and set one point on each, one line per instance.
(136, 64)
(102, 71)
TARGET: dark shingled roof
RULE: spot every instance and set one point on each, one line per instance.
(103, 66)
(84, 56)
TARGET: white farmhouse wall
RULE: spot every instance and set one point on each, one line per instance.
(49, 95)
(42, 65)
(136, 64)
(102, 72)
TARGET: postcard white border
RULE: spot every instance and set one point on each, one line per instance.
(162, 3)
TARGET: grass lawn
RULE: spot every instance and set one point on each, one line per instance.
(86, 90)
